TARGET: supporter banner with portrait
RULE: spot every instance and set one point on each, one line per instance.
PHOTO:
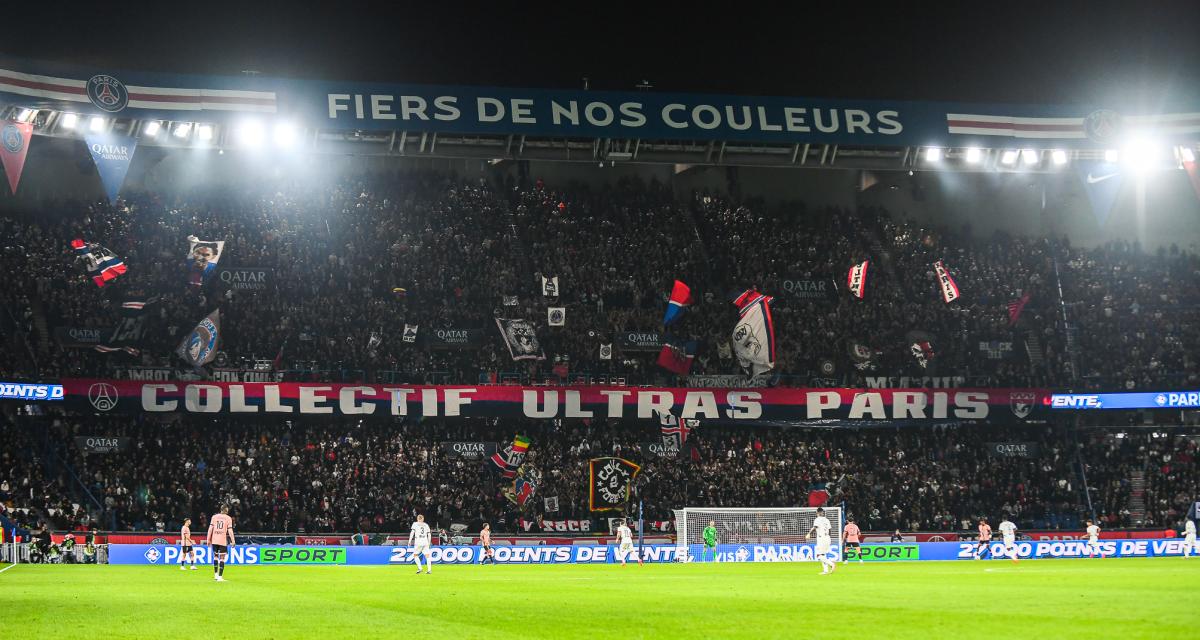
(773, 405)
(521, 338)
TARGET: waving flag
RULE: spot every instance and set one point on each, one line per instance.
(101, 264)
(508, 460)
(677, 357)
(675, 430)
(199, 346)
(1015, 308)
(856, 281)
(14, 146)
(754, 335)
(681, 298)
(946, 282)
(127, 335)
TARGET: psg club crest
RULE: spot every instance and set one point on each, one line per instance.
(11, 138)
(1102, 125)
(103, 396)
(1022, 403)
(107, 93)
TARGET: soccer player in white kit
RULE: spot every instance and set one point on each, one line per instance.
(419, 538)
(1009, 531)
(624, 543)
(822, 527)
(1189, 538)
(1093, 533)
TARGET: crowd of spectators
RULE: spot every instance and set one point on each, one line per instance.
(364, 256)
(322, 475)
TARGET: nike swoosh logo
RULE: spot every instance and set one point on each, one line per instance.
(1094, 179)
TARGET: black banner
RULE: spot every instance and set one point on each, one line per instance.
(611, 480)
(469, 450)
(451, 338)
(639, 341)
(245, 278)
(1013, 449)
(812, 288)
(80, 337)
(100, 444)
(997, 349)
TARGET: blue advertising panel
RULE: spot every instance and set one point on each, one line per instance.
(1143, 400)
(606, 554)
(30, 391)
(578, 113)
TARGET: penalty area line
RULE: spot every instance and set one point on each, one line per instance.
(7, 568)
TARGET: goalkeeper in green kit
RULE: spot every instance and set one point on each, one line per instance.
(710, 541)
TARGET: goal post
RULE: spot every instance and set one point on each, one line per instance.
(744, 534)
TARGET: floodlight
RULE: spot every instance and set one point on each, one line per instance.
(285, 135)
(26, 115)
(1186, 154)
(1029, 156)
(151, 128)
(933, 154)
(1111, 156)
(183, 129)
(69, 120)
(1058, 156)
(1142, 154)
(250, 134)
(974, 155)
(1008, 157)
(204, 132)
(96, 125)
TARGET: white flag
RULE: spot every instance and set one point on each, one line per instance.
(556, 316)
(410, 333)
(857, 279)
(754, 334)
(550, 287)
(949, 288)
(606, 351)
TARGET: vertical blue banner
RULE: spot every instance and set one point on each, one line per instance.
(1102, 181)
(112, 154)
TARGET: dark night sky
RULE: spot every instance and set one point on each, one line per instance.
(1128, 54)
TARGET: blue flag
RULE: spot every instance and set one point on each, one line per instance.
(112, 154)
(1102, 181)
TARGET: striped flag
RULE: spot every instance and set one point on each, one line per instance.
(681, 299)
(508, 460)
(946, 282)
(110, 94)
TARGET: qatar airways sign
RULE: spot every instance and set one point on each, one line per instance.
(724, 405)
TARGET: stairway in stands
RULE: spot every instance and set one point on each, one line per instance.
(1033, 347)
(1137, 496)
(41, 327)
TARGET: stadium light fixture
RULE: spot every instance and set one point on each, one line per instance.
(96, 125)
(251, 134)
(183, 129)
(1029, 156)
(285, 136)
(933, 154)
(204, 132)
(1058, 156)
(1142, 154)
(974, 155)
(26, 115)
(69, 120)
(151, 128)
(1009, 157)
(1111, 156)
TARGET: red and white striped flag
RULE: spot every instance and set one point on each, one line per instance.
(1016, 307)
(946, 282)
(856, 280)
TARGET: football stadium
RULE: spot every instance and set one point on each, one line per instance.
(702, 355)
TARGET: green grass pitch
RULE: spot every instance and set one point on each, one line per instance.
(1115, 598)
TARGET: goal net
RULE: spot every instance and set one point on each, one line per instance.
(745, 534)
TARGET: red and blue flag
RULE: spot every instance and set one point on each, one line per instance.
(102, 265)
(681, 298)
